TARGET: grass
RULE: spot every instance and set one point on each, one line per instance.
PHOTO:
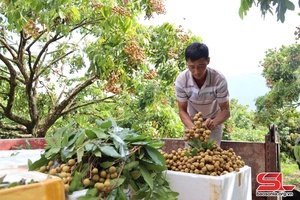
(291, 173)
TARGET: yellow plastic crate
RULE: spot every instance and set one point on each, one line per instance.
(46, 189)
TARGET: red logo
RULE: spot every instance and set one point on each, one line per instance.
(272, 181)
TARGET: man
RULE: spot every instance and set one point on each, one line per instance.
(202, 89)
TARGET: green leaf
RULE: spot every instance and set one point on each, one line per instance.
(80, 138)
(98, 153)
(109, 151)
(76, 13)
(28, 146)
(95, 133)
(117, 182)
(2, 178)
(106, 164)
(151, 166)
(156, 156)
(92, 192)
(121, 194)
(289, 5)
(73, 137)
(39, 163)
(90, 147)
(135, 174)
(90, 134)
(142, 143)
(146, 175)
(131, 165)
(65, 140)
(104, 124)
(105, 11)
(52, 152)
(121, 146)
(133, 185)
(50, 141)
(126, 24)
(76, 183)
(80, 153)
(137, 139)
(61, 14)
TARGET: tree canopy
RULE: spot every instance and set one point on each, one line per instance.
(281, 6)
(58, 57)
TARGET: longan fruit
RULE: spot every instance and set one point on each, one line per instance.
(43, 168)
(114, 175)
(112, 169)
(86, 182)
(99, 186)
(63, 175)
(107, 183)
(103, 174)
(50, 163)
(52, 172)
(69, 178)
(58, 169)
(65, 180)
(94, 171)
(67, 187)
(66, 169)
(71, 162)
(101, 180)
(95, 177)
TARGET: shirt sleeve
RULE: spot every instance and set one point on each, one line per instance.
(222, 91)
(181, 95)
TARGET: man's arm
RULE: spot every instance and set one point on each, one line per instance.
(184, 116)
(220, 118)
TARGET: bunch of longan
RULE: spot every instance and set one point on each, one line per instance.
(198, 131)
(64, 171)
(135, 51)
(94, 177)
(157, 6)
(101, 179)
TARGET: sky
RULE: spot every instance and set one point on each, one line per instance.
(236, 45)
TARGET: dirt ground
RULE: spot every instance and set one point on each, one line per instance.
(292, 179)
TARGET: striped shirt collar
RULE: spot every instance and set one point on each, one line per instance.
(191, 82)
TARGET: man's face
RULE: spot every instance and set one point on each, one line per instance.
(198, 68)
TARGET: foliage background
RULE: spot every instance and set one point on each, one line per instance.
(123, 70)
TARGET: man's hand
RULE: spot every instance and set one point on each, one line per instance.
(210, 124)
(184, 116)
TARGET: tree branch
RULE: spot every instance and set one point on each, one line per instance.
(4, 78)
(53, 115)
(13, 84)
(36, 39)
(20, 57)
(14, 128)
(16, 135)
(15, 118)
(52, 63)
(45, 47)
(86, 104)
(11, 50)
(48, 92)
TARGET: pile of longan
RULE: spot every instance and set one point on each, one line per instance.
(214, 162)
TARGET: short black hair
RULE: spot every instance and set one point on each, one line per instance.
(196, 51)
